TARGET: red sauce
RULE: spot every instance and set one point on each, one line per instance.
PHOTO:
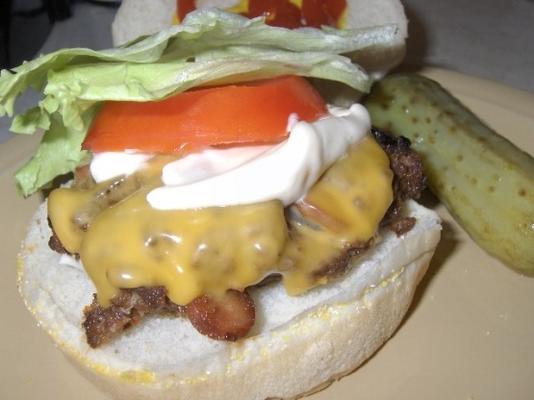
(322, 12)
(284, 13)
(184, 7)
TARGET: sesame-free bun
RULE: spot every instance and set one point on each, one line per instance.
(141, 17)
(298, 344)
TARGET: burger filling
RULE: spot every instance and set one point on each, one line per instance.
(191, 244)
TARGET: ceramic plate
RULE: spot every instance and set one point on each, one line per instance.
(469, 334)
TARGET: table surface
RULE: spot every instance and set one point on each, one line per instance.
(492, 39)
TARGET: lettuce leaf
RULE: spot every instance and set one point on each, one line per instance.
(209, 47)
(59, 153)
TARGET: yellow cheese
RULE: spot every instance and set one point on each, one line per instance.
(347, 204)
(128, 244)
(190, 252)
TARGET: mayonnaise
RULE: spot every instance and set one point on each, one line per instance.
(285, 172)
(109, 165)
(208, 163)
(250, 174)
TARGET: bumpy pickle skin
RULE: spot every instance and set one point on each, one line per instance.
(485, 181)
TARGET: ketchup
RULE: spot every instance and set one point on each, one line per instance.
(285, 13)
(322, 12)
(184, 7)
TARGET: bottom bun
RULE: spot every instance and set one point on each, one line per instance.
(298, 345)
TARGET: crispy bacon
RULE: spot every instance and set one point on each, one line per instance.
(229, 317)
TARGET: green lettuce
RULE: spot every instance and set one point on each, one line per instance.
(209, 47)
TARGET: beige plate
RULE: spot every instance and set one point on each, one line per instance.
(469, 334)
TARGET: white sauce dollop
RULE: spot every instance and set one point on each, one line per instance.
(285, 172)
(247, 174)
(208, 163)
(107, 165)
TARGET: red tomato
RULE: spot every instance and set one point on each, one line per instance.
(249, 113)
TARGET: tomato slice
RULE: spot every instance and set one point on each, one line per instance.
(249, 113)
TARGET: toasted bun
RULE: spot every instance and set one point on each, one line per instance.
(336, 326)
(140, 17)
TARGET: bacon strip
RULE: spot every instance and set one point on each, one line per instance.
(229, 317)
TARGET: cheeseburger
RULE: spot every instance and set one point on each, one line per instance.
(226, 233)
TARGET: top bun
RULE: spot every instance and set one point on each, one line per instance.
(140, 17)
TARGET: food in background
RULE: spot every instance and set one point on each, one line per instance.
(486, 182)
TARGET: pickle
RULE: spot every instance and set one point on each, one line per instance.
(485, 181)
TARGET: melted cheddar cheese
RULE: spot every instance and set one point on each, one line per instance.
(124, 243)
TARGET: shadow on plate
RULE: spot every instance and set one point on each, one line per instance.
(446, 246)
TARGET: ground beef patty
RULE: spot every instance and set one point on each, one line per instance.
(228, 317)
(408, 179)
(127, 308)
(408, 183)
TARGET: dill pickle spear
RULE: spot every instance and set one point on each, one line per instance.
(485, 181)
